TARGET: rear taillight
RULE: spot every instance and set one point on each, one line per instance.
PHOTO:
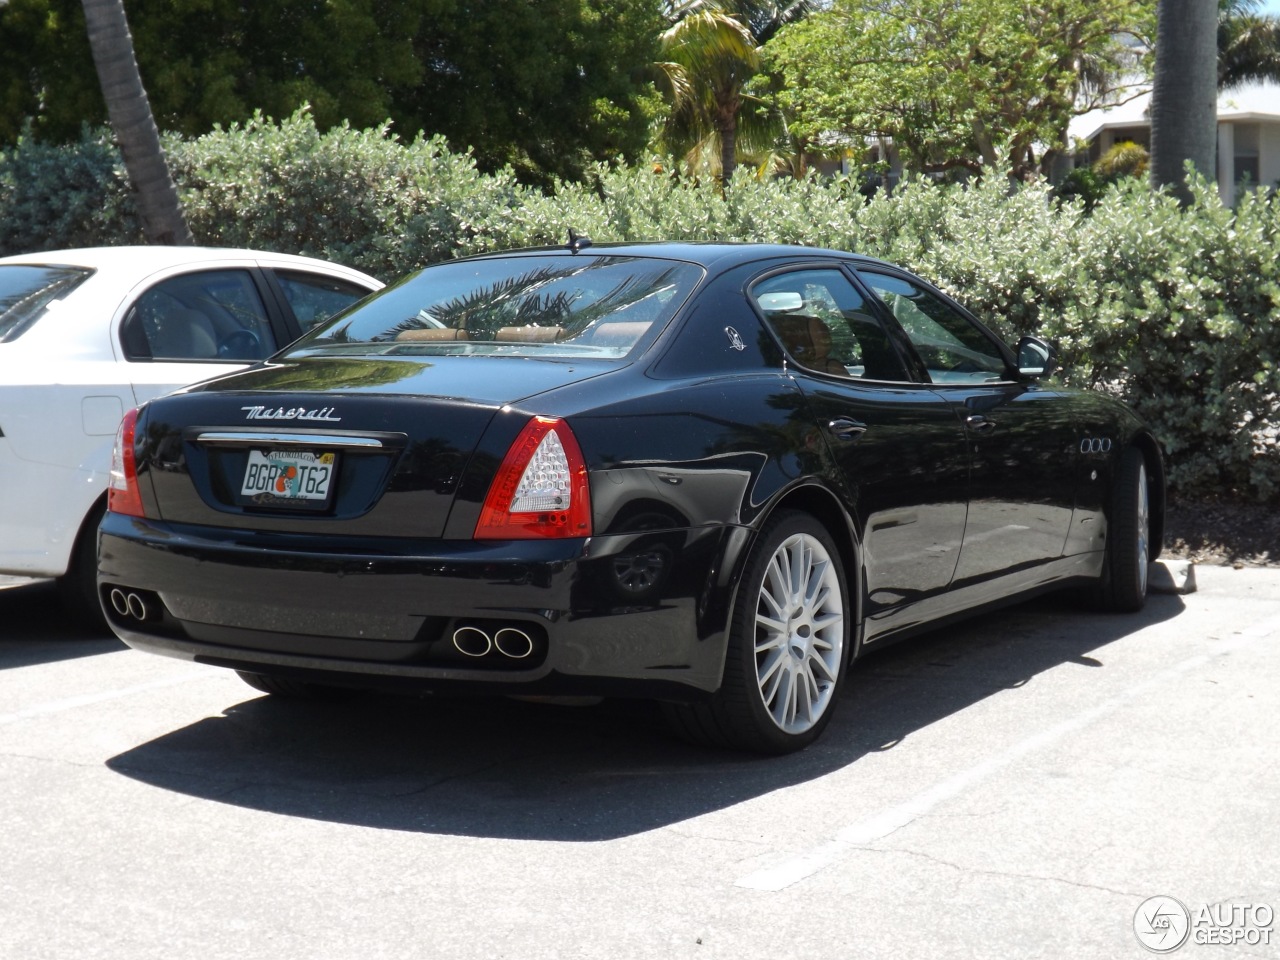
(541, 489)
(122, 491)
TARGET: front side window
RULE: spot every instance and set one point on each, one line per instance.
(26, 289)
(315, 298)
(546, 306)
(210, 315)
(952, 348)
(824, 325)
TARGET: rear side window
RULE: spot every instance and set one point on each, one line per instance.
(26, 289)
(209, 315)
(314, 298)
(824, 324)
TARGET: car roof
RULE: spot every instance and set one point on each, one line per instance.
(145, 259)
(709, 254)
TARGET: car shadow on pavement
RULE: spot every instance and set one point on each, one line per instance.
(499, 768)
(34, 629)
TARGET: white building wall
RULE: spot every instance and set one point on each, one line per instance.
(1226, 163)
(1269, 154)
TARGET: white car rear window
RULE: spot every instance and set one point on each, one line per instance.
(26, 289)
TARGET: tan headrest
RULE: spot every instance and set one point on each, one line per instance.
(533, 334)
(432, 334)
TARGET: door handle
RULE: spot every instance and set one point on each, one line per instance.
(979, 424)
(843, 429)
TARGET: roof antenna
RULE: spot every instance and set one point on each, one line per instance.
(578, 241)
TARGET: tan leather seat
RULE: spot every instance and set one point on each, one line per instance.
(622, 334)
(808, 341)
(184, 334)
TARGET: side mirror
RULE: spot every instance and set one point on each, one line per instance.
(1037, 358)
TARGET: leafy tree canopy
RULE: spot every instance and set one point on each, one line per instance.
(954, 82)
(543, 85)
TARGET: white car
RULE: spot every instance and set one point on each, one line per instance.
(87, 334)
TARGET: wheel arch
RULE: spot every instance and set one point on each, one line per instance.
(823, 505)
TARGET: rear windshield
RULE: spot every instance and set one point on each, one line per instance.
(545, 306)
(26, 289)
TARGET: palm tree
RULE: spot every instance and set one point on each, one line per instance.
(1248, 44)
(712, 51)
(135, 128)
(1184, 93)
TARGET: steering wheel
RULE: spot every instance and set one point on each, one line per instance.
(241, 345)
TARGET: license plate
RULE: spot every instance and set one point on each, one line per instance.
(288, 477)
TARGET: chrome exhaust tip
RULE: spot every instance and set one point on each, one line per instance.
(472, 641)
(514, 643)
(119, 602)
(137, 607)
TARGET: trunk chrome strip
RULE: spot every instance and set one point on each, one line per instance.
(293, 439)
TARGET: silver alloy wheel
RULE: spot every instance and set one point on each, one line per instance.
(1143, 524)
(799, 633)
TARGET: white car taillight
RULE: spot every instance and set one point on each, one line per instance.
(541, 489)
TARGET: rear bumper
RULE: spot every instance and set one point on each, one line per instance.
(384, 612)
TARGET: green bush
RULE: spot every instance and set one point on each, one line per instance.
(57, 197)
(1173, 309)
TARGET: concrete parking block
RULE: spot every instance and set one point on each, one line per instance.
(1172, 576)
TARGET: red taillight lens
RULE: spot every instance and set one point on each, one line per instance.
(541, 489)
(122, 491)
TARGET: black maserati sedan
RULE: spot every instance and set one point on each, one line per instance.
(706, 475)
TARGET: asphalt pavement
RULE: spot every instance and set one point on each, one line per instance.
(1037, 782)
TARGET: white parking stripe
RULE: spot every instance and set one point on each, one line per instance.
(71, 703)
(894, 818)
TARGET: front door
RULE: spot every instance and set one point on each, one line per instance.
(898, 445)
(1022, 479)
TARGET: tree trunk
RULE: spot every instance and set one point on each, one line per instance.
(134, 126)
(727, 127)
(1184, 96)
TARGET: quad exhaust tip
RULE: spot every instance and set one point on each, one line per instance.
(129, 604)
(510, 642)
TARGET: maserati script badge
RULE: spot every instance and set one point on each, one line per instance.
(289, 413)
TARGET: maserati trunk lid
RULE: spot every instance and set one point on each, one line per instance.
(374, 448)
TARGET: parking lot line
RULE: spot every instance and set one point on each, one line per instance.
(864, 832)
(87, 699)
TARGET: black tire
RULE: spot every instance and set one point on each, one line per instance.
(292, 689)
(782, 674)
(78, 587)
(1122, 588)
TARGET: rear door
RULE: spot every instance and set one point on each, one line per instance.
(1020, 435)
(899, 446)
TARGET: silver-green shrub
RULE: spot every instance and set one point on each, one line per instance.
(59, 197)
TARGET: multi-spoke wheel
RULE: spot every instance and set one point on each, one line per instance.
(787, 647)
(1123, 584)
(799, 633)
